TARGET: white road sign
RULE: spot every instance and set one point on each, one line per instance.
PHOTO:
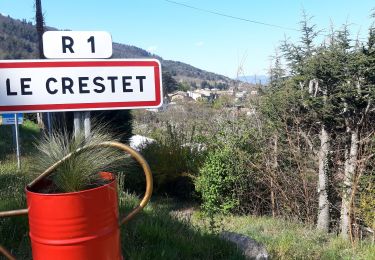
(77, 44)
(71, 85)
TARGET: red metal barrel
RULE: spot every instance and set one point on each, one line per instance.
(77, 225)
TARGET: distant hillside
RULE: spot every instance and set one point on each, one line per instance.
(18, 40)
(177, 69)
(254, 79)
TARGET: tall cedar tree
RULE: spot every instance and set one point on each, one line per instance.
(300, 60)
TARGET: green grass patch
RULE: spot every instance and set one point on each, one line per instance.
(13, 230)
(28, 132)
(285, 239)
(156, 235)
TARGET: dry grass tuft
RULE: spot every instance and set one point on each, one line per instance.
(80, 171)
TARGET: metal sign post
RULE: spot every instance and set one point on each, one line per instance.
(49, 123)
(77, 123)
(14, 120)
(17, 140)
(82, 122)
(87, 123)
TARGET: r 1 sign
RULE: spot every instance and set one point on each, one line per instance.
(71, 85)
(77, 44)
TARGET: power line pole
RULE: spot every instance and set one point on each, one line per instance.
(46, 117)
(39, 26)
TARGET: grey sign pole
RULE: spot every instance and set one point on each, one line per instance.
(49, 123)
(17, 140)
(77, 123)
(82, 122)
(87, 123)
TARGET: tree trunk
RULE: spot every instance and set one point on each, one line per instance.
(323, 211)
(274, 169)
(349, 172)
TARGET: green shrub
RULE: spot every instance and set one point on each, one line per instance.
(222, 180)
(367, 201)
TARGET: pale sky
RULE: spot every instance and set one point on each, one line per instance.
(214, 35)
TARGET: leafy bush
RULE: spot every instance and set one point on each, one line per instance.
(367, 201)
(222, 180)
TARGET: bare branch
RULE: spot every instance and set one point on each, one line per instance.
(308, 141)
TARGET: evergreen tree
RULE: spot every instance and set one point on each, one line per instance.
(169, 83)
(304, 63)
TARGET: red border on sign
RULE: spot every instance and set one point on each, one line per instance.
(86, 106)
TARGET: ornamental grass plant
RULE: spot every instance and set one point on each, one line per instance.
(87, 159)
